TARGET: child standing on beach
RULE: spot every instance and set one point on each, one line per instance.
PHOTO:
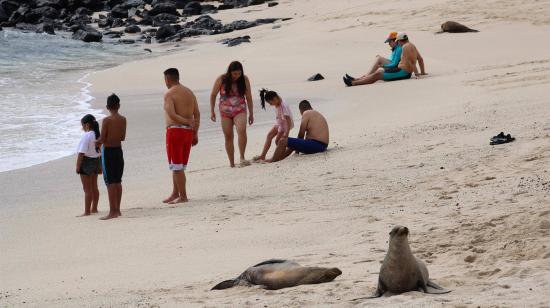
(283, 117)
(113, 132)
(88, 164)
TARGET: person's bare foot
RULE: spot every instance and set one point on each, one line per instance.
(170, 199)
(110, 216)
(179, 200)
(83, 215)
(118, 214)
(269, 160)
(94, 211)
(244, 163)
(258, 158)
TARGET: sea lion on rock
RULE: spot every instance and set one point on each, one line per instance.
(401, 271)
(278, 274)
(455, 27)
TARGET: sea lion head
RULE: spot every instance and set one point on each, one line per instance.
(399, 231)
(399, 237)
(332, 273)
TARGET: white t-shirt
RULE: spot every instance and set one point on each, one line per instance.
(87, 145)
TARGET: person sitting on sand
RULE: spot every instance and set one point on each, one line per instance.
(182, 118)
(235, 96)
(113, 132)
(283, 116)
(312, 138)
(381, 62)
(88, 164)
(405, 69)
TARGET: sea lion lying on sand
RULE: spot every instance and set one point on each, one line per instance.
(455, 27)
(278, 274)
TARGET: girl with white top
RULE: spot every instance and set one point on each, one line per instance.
(88, 163)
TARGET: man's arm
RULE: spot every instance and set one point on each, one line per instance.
(303, 127)
(123, 130)
(197, 118)
(249, 101)
(196, 114)
(104, 132)
(171, 112)
(421, 64)
(79, 159)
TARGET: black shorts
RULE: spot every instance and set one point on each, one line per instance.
(90, 166)
(113, 165)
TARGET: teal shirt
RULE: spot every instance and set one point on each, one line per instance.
(395, 57)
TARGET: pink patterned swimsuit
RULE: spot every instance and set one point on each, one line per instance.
(233, 104)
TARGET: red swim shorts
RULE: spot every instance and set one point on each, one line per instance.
(178, 146)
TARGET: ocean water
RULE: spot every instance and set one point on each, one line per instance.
(43, 95)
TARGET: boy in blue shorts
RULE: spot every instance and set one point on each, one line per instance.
(113, 132)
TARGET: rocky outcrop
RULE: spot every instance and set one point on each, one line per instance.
(87, 35)
(77, 16)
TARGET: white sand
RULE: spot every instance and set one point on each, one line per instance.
(411, 152)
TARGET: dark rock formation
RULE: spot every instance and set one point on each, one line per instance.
(119, 11)
(132, 29)
(192, 8)
(236, 41)
(164, 19)
(164, 32)
(87, 35)
(239, 25)
(164, 7)
(316, 77)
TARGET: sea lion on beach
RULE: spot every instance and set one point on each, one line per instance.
(278, 274)
(455, 27)
(401, 271)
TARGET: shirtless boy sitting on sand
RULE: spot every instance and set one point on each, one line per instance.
(312, 138)
(182, 116)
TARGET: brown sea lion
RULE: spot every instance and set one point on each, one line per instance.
(401, 271)
(278, 274)
(455, 27)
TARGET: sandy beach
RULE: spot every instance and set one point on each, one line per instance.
(413, 153)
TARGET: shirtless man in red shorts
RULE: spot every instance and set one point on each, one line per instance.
(182, 115)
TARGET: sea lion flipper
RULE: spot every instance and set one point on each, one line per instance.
(226, 284)
(434, 288)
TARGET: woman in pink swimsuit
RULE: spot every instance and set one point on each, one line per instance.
(235, 99)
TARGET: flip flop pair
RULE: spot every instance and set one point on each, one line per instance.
(501, 139)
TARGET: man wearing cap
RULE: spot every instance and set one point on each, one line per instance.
(405, 69)
(382, 62)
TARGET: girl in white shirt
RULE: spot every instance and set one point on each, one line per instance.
(88, 163)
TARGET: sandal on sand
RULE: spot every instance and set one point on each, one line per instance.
(347, 82)
(501, 139)
(500, 135)
(350, 77)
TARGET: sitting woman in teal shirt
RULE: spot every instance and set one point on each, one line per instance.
(388, 64)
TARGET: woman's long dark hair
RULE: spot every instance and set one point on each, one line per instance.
(90, 119)
(267, 95)
(228, 80)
